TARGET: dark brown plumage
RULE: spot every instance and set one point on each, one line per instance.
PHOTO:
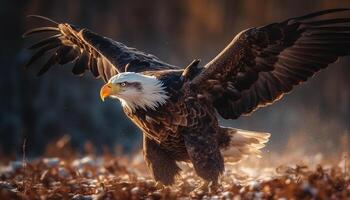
(257, 68)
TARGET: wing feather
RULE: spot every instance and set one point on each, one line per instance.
(52, 60)
(45, 41)
(40, 30)
(80, 64)
(41, 52)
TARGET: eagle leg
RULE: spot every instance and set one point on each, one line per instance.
(164, 168)
(204, 153)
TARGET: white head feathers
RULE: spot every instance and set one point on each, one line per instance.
(140, 91)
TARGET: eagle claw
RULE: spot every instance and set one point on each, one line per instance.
(209, 187)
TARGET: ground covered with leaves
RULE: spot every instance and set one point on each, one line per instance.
(63, 174)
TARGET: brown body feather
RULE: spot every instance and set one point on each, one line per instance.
(186, 128)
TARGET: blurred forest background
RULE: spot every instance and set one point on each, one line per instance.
(315, 117)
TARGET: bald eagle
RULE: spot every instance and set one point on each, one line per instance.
(177, 108)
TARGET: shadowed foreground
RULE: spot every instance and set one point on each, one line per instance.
(61, 173)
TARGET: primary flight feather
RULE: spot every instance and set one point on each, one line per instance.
(176, 108)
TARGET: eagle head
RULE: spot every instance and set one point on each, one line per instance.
(135, 90)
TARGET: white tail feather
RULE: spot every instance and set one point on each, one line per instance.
(244, 143)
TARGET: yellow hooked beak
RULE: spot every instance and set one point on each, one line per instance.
(107, 90)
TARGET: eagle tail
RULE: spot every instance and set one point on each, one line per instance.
(241, 143)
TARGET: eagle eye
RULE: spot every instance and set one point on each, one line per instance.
(123, 84)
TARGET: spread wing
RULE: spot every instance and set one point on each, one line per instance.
(261, 64)
(102, 56)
